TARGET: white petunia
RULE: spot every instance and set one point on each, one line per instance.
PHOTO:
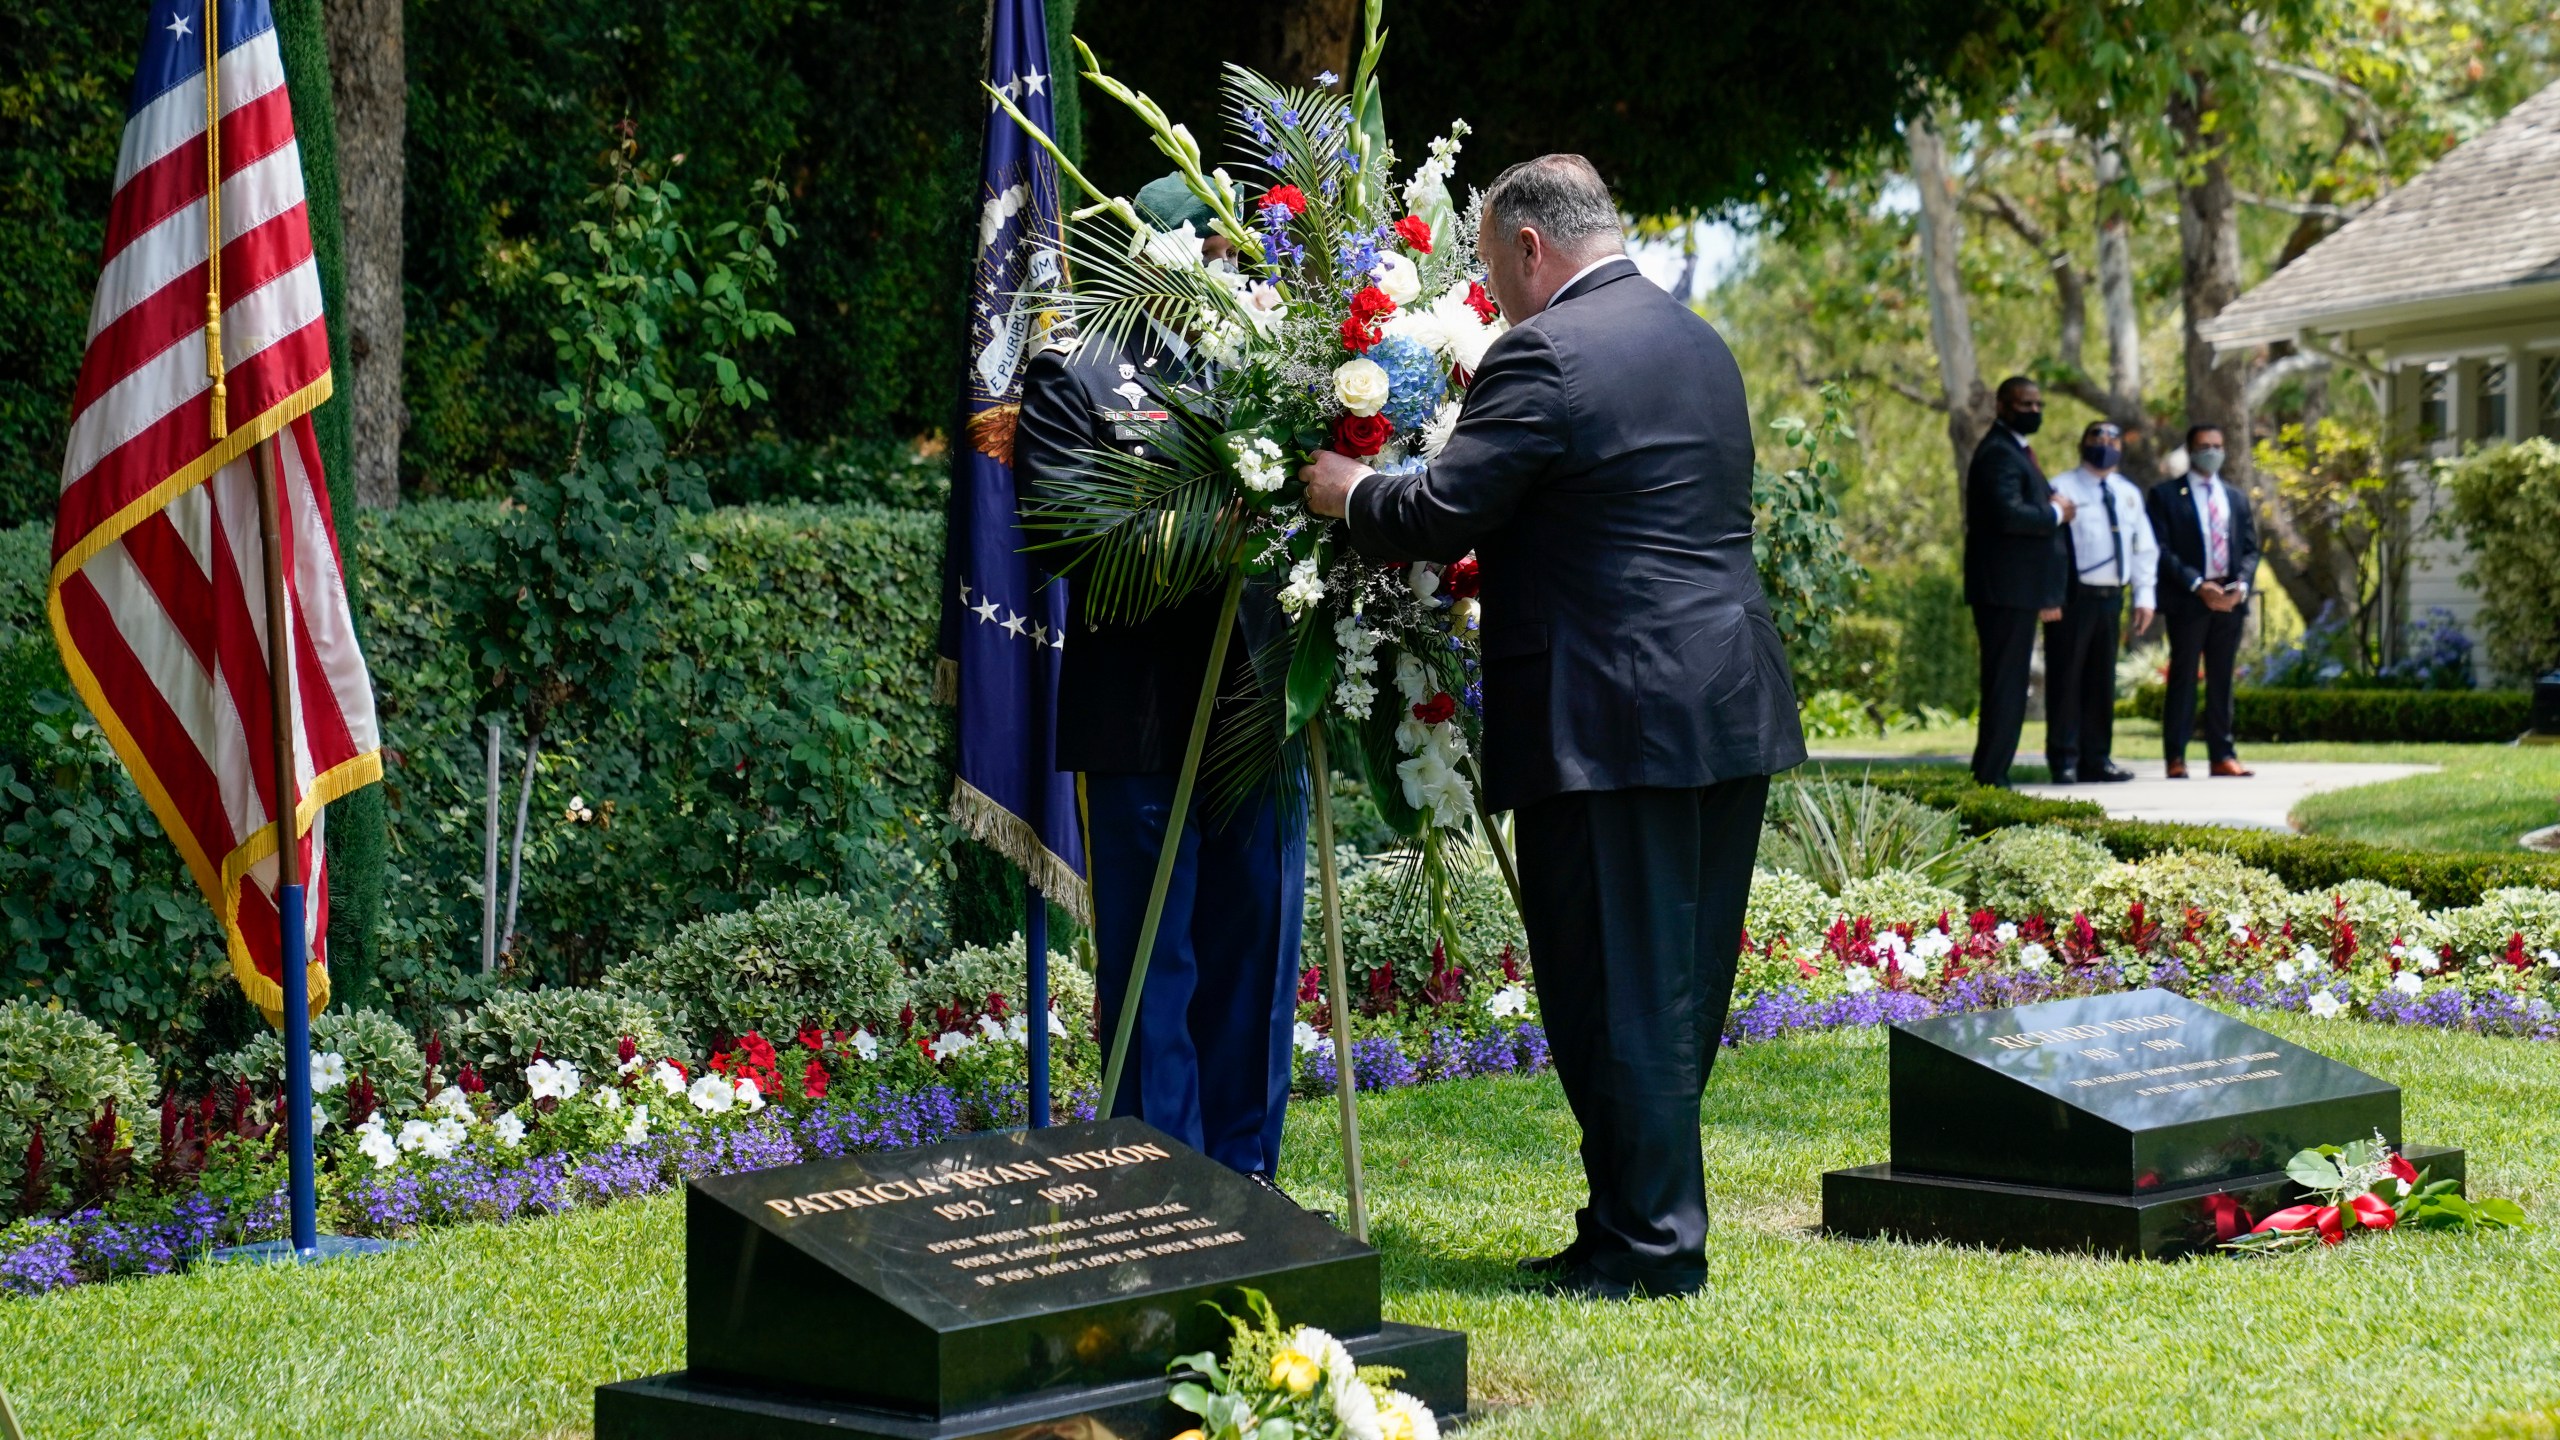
(866, 1045)
(1507, 1001)
(2032, 956)
(376, 1145)
(1306, 1038)
(1057, 1027)
(1858, 979)
(451, 1101)
(2430, 962)
(950, 1043)
(551, 1079)
(1934, 945)
(509, 1130)
(445, 1135)
(1913, 966)
(2238, 927)
(713, 1095)
(2326, 1006)
(669, 1078)
(2285, 971)
(2305, 956)
(328, 1072)
(1398, 278)
(2408, 983)
(1361, 386)
(750, 1094)
(638, 1129)
(2550, 959)
(608, 1100)
(2004, 932)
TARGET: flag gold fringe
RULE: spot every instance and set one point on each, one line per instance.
(1009, 835)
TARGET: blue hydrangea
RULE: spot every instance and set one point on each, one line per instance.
(1416, 380)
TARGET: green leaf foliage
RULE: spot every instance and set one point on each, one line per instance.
(2276, 713)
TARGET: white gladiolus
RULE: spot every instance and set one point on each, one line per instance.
(1175, 249)
(1304, 590)
(1397, 277)
(328, 1072)
(1361, 386)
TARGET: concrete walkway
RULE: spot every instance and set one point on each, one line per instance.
(2261, 801)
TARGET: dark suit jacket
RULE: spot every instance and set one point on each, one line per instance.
(1126, 692)
(1601, 471)
(2016, 552)
(2172, 507)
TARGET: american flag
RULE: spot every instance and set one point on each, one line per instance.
(158, 593)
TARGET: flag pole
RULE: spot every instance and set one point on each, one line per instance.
(1035, 944)
(293, 959)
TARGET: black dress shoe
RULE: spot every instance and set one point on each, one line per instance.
(2107, 775)
(1579, 1281)
(2059, 774)
(1550, 1264)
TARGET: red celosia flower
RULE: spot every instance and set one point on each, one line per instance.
(1381, 982)
(1463, 580)
(1481, 303)
(1437, 709)
(1510, 965)
(1415, 232)
(813, 1082)
(1309, 986)
(906, 1018)
(471, 1083)
(1287, 195)
(627, 1049)
(995, 1004)
(1361, 436)
(2515, 952)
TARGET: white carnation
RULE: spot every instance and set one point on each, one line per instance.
(1361, 386)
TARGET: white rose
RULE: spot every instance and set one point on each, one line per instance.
(1396, 276)
(1361, 386)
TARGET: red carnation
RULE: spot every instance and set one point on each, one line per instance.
(1463, 580)
(1357, 336)
(1361, 436)
(1371, 303)
(1288, 195)
(1481, 303)
(1415, 232)
(1437, 709)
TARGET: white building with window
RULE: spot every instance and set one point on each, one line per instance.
(2445, 295)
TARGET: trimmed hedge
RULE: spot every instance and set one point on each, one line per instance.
(2452, 717)
(2440, 879)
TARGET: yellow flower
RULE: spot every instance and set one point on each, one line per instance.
(1191, 1434)
(1295, 1371)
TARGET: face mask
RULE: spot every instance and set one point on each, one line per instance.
(2208, 461)
(2102, 457)
(2026, 424)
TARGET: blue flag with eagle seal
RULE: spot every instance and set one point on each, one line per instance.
(1003, 617)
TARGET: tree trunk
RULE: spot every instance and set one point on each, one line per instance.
(1967, 399)
(369, 77)
(2209, 252)
(1316, 36)
(2115, 276)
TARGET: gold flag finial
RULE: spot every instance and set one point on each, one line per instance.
(213, 216)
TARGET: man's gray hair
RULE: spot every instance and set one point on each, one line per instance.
(1559, 196)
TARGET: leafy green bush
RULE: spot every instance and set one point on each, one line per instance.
(1863, 657)
(1898, 897)
(2378, 913)
(2270, 712)
(789, 962)
(57, 1069)
(2517, 918)
(1806, 570)
(1787, 906)
(2220, 889)
(2033, 870)
(375, 1045)
(1836, 831)
(1940, 659)
(1387, 926)
(2506, 501)
(586, 1027)
(965, 978)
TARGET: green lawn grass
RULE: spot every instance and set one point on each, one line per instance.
(2482, 799)
(502, 1331)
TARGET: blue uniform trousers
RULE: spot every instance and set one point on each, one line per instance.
(1210, 1057)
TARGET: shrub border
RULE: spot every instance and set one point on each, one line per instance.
(2275, 713)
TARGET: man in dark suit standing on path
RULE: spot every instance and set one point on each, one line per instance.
(2016, 568)
(1636, 693)
(2208, 557)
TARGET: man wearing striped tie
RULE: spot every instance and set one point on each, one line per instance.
(2111, 549)
(2208, 560)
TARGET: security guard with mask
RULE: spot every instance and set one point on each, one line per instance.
(1210, 1054)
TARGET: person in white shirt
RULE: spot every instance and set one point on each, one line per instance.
(2111, 548)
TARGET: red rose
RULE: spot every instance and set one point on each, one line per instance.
(1361, 436)
(1415, 232)
(1371, 304)
(1463, 580)
(2401, 1169)
(1437, 709)
(1481, 303)
(1287, 195)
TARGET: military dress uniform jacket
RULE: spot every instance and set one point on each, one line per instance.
(1126, 691)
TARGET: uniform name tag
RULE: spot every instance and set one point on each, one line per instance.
(1137, 416)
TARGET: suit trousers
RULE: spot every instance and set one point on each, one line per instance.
(1209, 1060)
(2007, 635)
(2080, 682)
(1633, 902)
(2197, 632)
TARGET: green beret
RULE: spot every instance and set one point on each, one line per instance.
(1168, 202)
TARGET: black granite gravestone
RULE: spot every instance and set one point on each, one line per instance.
(1022, 1283)
(2138, 1124)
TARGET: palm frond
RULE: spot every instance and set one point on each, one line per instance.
(1117, 294)
(1141, 533)
(1248, 752)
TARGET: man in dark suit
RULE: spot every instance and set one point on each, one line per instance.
(2208, 559)
(1209, 1059)
(1636, 694)
(2017, 566)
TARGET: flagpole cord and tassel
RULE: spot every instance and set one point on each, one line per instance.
(1336, 983)
(1175, 824)
(213, 366)
(293, 951)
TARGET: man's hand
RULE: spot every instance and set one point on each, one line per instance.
(2063, 502)
(2141, 620)
(2049, 614)
(1328, 480)
(2211, 594)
